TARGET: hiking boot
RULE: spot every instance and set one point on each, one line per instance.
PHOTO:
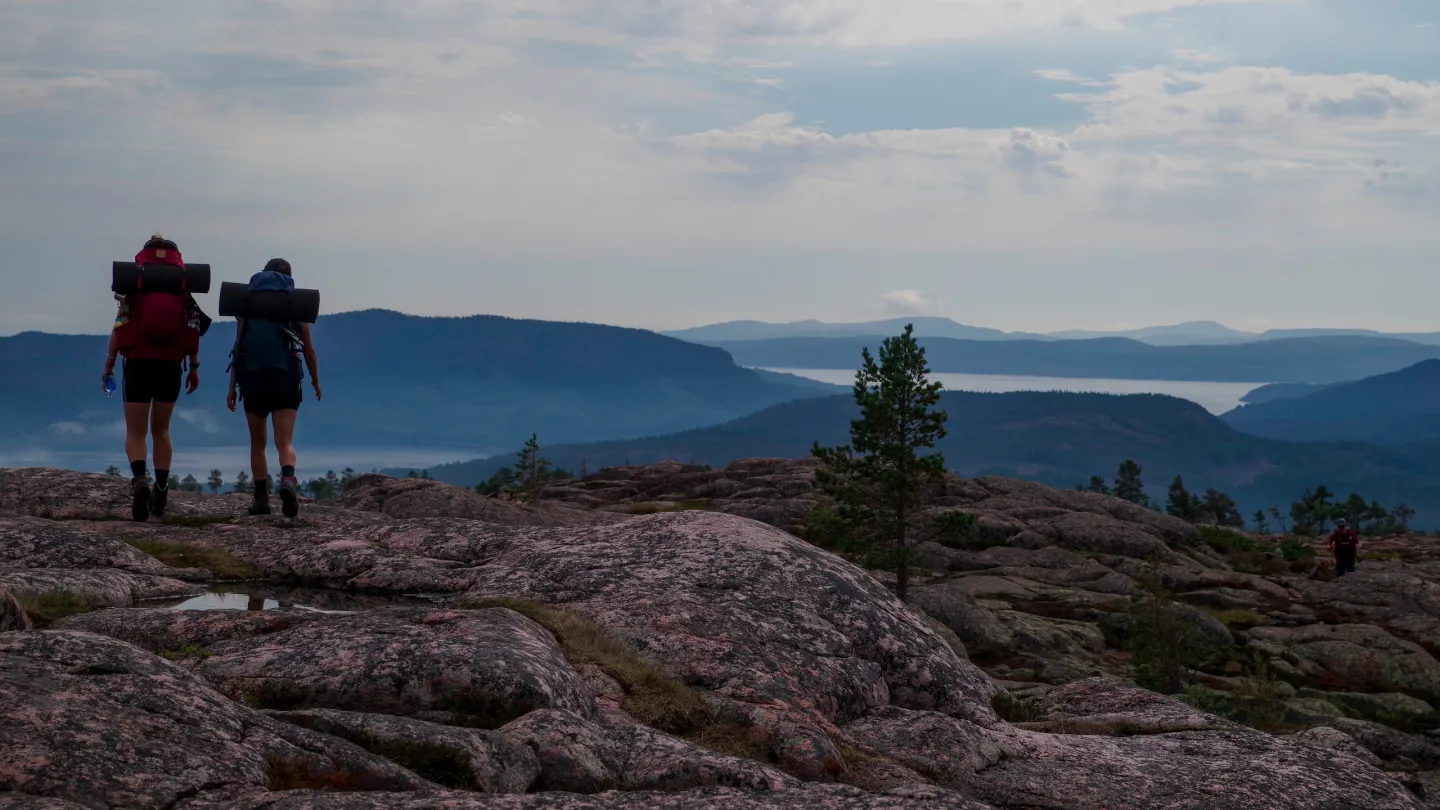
(261, 505)
(140, 499)
(157, 501)
(289, 496)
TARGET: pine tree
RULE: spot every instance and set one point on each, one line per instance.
(112, 470)
(1279, 520)
(1262, 525)
(346, 476)
(216, 481)
(191, 484)
(1128, 484)
(243, 484)
(1180, 503)
(1097, 484)
(532, 470)
(880, 481)
(1221, 509)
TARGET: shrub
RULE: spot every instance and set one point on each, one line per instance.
(1295, 549)
(1165, 645)
(1229, 541)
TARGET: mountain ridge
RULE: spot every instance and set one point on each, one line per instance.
(1392, 408)
(1054, 438)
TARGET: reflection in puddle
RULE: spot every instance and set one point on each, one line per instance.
(255, 596)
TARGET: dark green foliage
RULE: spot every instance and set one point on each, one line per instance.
(1180, 503)
(1228, 541)
(1279, 519)
(1262, 523)
(324, 488)
(880, 481)
(346, 476)
(1165, 645)
(1128, 485)
(1296, 550)
(215, 481)
(112, 470)
(47, 608)
(1221, 510)
(1312, 511)
(1097, 484)
(243, 483)
(1401, 515)
(190, 484)
(196, 521)
(502, 481)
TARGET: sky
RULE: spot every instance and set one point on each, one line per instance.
(1022, 164)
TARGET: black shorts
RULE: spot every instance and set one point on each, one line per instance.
(264, 403)
(149, 381)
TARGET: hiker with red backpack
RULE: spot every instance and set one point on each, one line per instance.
(155, 332)
(1345, 545)
(265, 374)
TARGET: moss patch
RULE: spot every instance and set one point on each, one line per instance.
(197, 521)
(47, 608)
(651, 696)
(217, 561)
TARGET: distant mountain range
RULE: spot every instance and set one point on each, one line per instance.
(1193, 333)
(1324, 359)
(1397, 408)
(759, 330)
(1056, 438)
(476, 384)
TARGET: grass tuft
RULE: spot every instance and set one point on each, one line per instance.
(47, 608)
(1240, 619)
(651, 696)
(217, 561)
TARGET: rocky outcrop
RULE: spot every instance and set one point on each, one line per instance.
(798, 670)
(478, 668)
(97, 722)
(416, 497)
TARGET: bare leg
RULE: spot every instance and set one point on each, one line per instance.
(258, 467)
(285, 436)
(137, 422)
(160, 433)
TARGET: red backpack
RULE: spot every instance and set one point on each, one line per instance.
(158, 328)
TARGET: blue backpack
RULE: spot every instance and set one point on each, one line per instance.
(266, 358)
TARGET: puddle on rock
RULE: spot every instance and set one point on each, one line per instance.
(254, 596)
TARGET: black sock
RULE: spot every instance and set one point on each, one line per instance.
(262, 486)
(137, 468)
(287, 471)
(162, 479)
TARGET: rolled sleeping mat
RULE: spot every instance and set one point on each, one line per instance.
(300, 306)
(125, 278)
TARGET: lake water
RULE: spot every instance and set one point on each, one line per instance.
(1216, 397)
(199, 461)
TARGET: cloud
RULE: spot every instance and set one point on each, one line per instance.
(199, 418)
(908, 302)
(66, 429)
(1070, 76)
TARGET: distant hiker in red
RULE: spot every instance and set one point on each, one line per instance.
(155, 332)
(265, 373)
(1345, 545)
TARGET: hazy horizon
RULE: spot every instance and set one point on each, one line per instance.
(1032, 165)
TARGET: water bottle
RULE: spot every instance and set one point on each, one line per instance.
(110, 385)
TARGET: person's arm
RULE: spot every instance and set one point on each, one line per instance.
(112, 349)
(233, 398)
(311, 361)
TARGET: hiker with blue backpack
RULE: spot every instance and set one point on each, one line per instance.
(265, 374)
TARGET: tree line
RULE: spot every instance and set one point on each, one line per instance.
(1315, 510)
